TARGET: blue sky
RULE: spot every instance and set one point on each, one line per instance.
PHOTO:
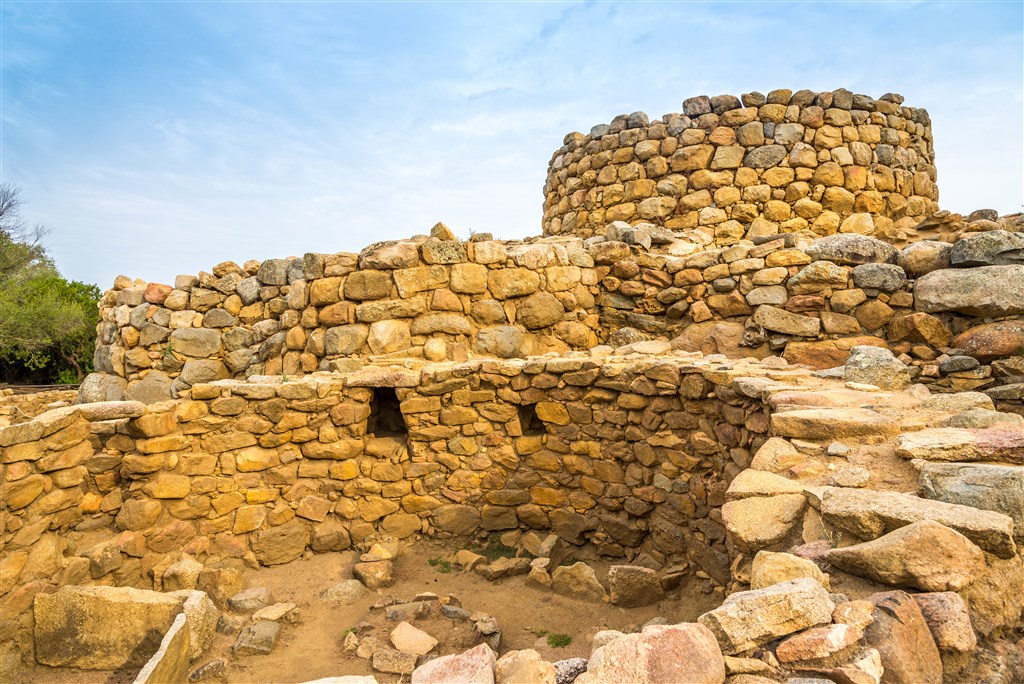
(158, 138)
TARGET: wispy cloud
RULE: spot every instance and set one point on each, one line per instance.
(162, 138)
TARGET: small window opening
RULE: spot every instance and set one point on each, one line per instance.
(529, 423)
(386, 419)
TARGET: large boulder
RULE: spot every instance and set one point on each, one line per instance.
(578, 581)
(993, 248)
(102, 387)
(632, 586)
(924, 555)
(992, 340)
(986, 291)
(686, 652)
(1002, 442)
(101, 628)
(750, 618)
(868, 514)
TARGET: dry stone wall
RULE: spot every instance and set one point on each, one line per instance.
(629, 453)
(750, 167)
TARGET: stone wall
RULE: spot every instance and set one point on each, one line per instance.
(809, 299)
(631, 453)
(750, 167)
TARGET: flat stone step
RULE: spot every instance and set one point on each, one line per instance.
(869, 514)
(820, 424)
(1003, 444)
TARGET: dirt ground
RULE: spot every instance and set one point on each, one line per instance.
(312, 648)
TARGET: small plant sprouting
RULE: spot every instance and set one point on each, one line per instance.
(168, 349)
(441, 565)
(559, 640)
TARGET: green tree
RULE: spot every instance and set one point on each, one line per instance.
(47, 323)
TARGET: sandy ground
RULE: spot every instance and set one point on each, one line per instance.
(312, 648)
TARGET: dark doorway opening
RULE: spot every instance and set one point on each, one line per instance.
(386, 419)
(529, 423)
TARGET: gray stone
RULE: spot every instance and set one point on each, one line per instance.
(986, 291)
(273, 272)
(876, 366)
(249, 600)
(696, 106)
(919, 258)
(503, 341)
(101, 387)
(201, 370)
(257, 639)
(981, 418)
(780, 320)
(764, 157)
(955, 364)
(197, 343)
(346, 340)
(152, 389)
(884, 277)
(987, 487)
(851, 249)
(566, 671)
(994, 248)
(344, 593)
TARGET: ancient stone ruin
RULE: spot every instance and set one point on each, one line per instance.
(750, 360)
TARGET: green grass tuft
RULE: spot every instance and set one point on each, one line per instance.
(559, 640)
(441, 565)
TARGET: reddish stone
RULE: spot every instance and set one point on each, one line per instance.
(156, 293)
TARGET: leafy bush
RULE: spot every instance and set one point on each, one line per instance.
(47, 323)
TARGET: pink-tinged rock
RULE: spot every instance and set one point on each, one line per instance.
(903, 640)
(1001, 443)
(863, 667)
(475, 666)
(992, 340)
(818, 642)
(661, 653)
(156, 293)
(948, 619)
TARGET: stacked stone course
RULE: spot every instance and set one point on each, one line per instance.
(750, 167)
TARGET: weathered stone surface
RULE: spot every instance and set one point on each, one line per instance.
(780, 320)
(1003, 443)
(986, 291)
(252, 599)
(258, 638)
(685, 652)
(631, 586)
(102, 387)
(753, 482)
(523, 667)
(948, 620)
(771, 568)
(923, 555)
(903, 640)
(539, 310)
(868, 514)
(852, 249)
(280, 544)
(996, 597)
(750, 618)
(198, 343)
(919, 327)
(375, 574)
(992, 248)
(101, 628)
(758, 522)
(832, 424)
(989, 487)
(183, 574)
(475, 666)
(876, 366)
(578, 581)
